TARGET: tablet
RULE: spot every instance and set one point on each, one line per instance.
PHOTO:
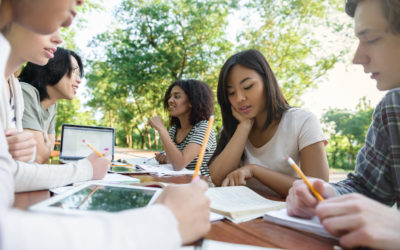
(95, 196)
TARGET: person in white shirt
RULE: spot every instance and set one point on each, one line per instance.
(260, 130)
(27, 45)
(166, 225)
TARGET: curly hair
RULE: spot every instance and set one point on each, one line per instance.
(390, 8)
(200, 97)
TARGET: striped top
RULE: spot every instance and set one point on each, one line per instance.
(377, 171)
(13, 122)
(196, 135)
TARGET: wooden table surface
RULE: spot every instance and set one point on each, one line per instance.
(256, 232)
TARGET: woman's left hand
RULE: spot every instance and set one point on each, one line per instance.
(239, 176)
(156, 123)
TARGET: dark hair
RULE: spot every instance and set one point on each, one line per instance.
(200, 97)
(276, 102)
(51, 73)
(390, 8)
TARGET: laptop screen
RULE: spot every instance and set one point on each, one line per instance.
(72, 147)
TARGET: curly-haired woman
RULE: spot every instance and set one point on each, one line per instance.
(190, 104)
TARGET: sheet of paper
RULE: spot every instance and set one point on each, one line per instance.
(220, 245)
(109, 178)
(216, 217)
(309, 225)
(134, 161)
(150, 165)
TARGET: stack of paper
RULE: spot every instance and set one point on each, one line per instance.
(150, 165)
(164, 169)
(309, 225)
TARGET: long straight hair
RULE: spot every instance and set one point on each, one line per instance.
(275, 101)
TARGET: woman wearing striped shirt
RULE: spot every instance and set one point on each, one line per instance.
(190, 104)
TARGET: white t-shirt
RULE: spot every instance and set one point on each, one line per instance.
(296, 130)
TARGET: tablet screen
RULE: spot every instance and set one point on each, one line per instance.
(99, 197)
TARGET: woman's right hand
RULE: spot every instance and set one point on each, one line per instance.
(156, 123)
(241, 119)
(100, 165)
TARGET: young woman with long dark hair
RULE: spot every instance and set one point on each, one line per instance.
(260, 130)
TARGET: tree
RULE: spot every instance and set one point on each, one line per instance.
(347, 131)
(290, 33)
(157, 43)
(70, 111)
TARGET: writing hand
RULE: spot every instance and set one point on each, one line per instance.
(301, 202)
(360, 221)
(100, 165)
(161, 158)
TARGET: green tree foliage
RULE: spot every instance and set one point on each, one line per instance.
(347, 131)
(157, 43)
(289, 34)
(69, 112)
(69, 34)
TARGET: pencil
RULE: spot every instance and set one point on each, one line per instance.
(123, 165)
(298, 170)
(202, 149)
(92, 148)
(88, 196)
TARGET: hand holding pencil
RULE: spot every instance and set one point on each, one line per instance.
(100, 162)
(301, 200)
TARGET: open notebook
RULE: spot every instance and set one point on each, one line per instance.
(240, 203)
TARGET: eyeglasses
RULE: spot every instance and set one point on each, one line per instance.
(76, 71)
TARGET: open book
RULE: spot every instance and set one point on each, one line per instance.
(240, 203)
(309, 225)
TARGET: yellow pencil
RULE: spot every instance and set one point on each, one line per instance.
(124, 165)
(88, 196)
(92, 148)
(195, 176)
(298, 170)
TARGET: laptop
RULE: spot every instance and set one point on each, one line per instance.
(72, 147)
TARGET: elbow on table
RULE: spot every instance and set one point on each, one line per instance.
(178, 166)
(217, 180)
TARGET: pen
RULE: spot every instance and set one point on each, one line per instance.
(195, 176)
(92, 148)
(149, 159)
(298, 170)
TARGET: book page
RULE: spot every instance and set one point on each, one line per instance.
(238, 198)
